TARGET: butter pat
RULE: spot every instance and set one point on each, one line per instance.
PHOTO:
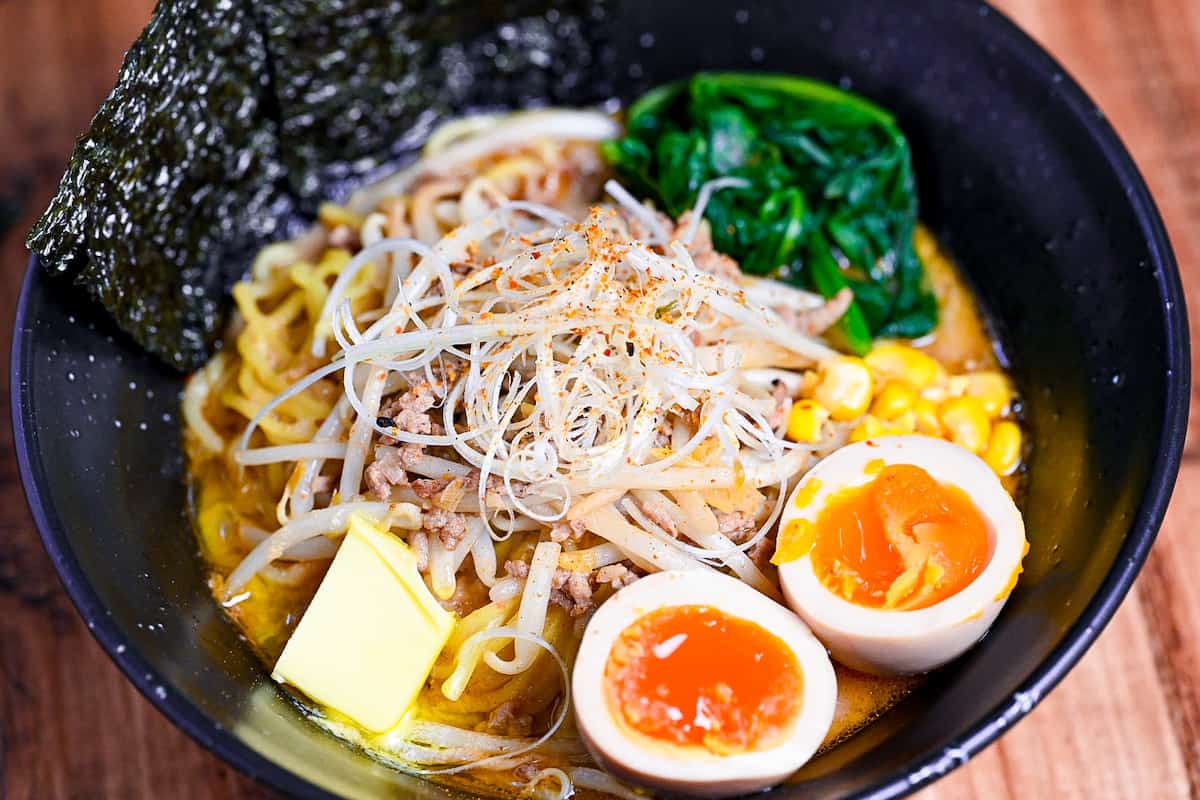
(369, 638)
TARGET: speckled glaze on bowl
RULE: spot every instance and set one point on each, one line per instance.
(1021, 177)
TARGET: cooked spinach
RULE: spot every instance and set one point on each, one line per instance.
(831, 200)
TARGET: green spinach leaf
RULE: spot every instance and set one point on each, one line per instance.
(831, 200)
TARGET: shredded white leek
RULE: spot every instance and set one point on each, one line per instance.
(571, 354)
(702, 198)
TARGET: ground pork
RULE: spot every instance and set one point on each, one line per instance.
(572, 591)
(386, 471)
(818, 320)
(507, 720)
(451, 528)
(571, 531)
(494, 484)
(761, 551)
(736, 525)
(616, 575)
(413, 422)
(411, 454)
(409, 411)
(428, 488)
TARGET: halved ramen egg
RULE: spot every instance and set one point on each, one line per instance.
(693, 682)
(899, 552)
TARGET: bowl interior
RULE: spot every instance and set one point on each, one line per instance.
(1020, 178)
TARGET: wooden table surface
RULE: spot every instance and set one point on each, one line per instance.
(1124, 724)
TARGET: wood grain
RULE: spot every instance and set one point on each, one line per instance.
(1124, 724)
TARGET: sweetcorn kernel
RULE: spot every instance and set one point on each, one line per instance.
(868, 428)
(992, 390)
(936, 393)
(1003, 452)
(895, 360)
(928, 421)
(845, 388)
(805, 421)
(896, 397)
(966, 423)
(956, 386)
(903, 424)
(809, 382)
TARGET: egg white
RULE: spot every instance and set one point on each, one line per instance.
(698, 773)
(886, 641)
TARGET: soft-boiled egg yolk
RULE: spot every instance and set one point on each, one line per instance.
(693, 675)
(901, 541)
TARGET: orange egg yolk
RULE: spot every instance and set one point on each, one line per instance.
(903, 541)
(696, 676)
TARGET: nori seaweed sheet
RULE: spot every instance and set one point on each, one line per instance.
(178, 172)
(232, 119)
(360, 80)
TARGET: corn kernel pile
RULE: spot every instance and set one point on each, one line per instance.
(897, 389)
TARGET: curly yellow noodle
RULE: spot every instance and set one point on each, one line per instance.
(216, 523)
(487, 616)
(535, 687)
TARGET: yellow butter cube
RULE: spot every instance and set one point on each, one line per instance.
(369, 638)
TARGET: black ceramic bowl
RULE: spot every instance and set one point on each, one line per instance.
(1020, 176)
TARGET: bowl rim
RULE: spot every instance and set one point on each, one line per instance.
(1143, 528)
